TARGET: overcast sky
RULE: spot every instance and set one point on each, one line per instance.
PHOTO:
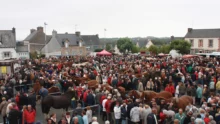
(121, 18)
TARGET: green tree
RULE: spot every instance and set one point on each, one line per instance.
(108, 47)
(164, 49)
(135, 49)
(123, 44)
(153, 49)
(181, 46)
(98, 50)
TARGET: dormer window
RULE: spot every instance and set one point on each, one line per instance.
(77, 42)
(66, 43)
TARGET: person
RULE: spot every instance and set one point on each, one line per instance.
(198, 94)
(53, 118)
(67, 117)
(90, 100)
(212, 121)
(187, 119)
(152, 117)
(147, 110)
(176, 121)
(89, 114)
(104, 115)
(94, 120)
(63, 121)
(85, 118)
(123, 113)
(29, 115)
(117, 113)
(140, 86)
(199, 120)
(13, 116)
(3, 107)
(135, 114)
(180, 116)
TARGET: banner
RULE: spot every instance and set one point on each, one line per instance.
(4, 69)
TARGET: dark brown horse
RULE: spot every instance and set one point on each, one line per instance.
(58, 102)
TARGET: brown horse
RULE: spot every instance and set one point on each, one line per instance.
(93, 84)
(135, 94)
(181, 102)
(58, 102)
(164, 95)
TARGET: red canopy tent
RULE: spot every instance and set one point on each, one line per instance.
(104, 53)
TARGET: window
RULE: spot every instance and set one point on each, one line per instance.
(200, 43)
(192, 42)
(6, 54)
(210, 43)
(77, 42)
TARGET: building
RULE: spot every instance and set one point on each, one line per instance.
(149, 43)
(65, 45)
(7, 44)
(203, 40)
(92, 42)
(22, 49)
(172, 38)
(36, 39)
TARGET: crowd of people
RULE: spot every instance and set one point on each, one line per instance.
(197, 77)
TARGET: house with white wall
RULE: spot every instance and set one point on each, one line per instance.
(149, 43)
(203, 40)
(8, 44)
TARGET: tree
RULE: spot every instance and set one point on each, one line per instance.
(108, 47)
(135, 49)
(164, 49)
(153, 49)
(124, 44)
(181, 46)
(98, 50)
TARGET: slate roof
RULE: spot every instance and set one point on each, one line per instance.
(20, 47)
(29, 37)
(90, 40)
(141, 41)
(72, 38)
(7, 39)
(203, 33)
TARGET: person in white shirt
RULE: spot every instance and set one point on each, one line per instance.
(103, 109)
(135, 114)
(117, 113)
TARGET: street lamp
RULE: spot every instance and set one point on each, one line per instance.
(45, 24)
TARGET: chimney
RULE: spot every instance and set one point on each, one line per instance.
(40, 29)
(54, 33)
(13, 30)
(190, 30)
(32, 30)
(77, 33)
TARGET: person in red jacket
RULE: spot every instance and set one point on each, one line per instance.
(107, 107)
(170, 88)
(17, 99)
(29, 115)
